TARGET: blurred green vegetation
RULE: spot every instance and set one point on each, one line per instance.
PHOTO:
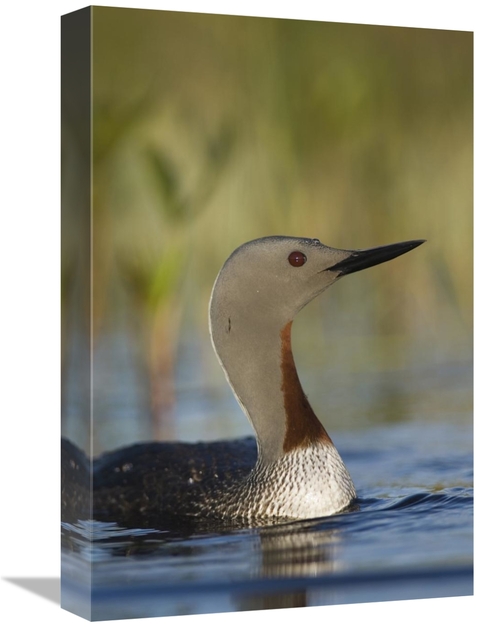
(209, 131)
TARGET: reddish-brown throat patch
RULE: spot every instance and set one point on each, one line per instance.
(302, 426)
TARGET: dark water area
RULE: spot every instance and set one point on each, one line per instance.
(410, 536)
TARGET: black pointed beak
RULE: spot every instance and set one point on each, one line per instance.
(361, 259)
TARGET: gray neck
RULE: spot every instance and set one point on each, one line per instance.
(254, 349)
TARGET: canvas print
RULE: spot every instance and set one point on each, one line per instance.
(242, 429)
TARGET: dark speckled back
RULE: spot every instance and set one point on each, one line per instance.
(163, 485)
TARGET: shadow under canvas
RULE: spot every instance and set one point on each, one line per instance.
(46, 587)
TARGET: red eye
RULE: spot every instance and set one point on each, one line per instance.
(296, 259)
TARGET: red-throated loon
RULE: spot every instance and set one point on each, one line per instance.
(295, 471)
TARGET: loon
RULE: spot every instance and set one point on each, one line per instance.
(291, 470)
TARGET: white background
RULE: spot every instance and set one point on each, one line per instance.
(29, 310)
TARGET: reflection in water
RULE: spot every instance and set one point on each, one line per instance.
(291, 552)
(279, 560)
(294, 552)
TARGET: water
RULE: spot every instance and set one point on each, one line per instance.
(409, 537)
